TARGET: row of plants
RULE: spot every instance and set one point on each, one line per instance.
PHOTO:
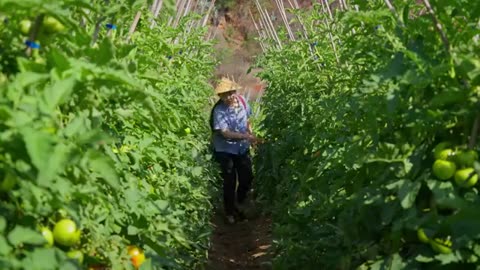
(372, 153)
(104, 161)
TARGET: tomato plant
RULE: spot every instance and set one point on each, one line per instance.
(353, 134)
(78, 93)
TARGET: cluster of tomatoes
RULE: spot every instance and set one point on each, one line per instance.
(456, 163)
(50, 25)
(451, 162)
(66, 235)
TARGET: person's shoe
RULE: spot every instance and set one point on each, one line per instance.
(230, 219)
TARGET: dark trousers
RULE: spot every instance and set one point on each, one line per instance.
(231, 166)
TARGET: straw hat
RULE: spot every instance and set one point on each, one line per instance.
(226, 85)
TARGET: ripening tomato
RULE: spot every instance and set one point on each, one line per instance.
(136, 256)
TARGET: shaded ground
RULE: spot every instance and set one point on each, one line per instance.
(242, 246)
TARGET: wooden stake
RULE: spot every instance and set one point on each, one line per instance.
(258, 31)
(327, 6)
(283, 14)
(34, 32)
(134, 25)
(205, 20)
(155, 13)
(269, 23)
(325, 22)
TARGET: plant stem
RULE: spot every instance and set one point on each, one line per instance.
(438, 26)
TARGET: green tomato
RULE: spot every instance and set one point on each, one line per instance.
(48, 235)
(439, 148)
(25, 26)
(3, 78)
(422, 236)
(445, 154)
(466, 158)
(444, 169)
(462, 175)
(76, 255)
(440, 246)
(65, 233)
(52, 25)
(8, 182)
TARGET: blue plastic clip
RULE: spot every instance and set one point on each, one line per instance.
(111, 26)
(32, 44)
(314, 43)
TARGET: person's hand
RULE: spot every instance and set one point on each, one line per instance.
(254, 139)
(251, 138)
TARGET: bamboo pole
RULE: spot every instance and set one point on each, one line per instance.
(205, 20)
(155, 13)
(283, 14)
(326, 5)
(269, 23)
(179, 9)
(154, 6)
(264, 25)
(134, 25)
(258, 30)
(332, 42)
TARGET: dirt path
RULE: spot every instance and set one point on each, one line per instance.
(242, 246)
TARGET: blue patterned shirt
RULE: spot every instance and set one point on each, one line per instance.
(232, 118)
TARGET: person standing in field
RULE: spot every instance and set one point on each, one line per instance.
(232, 137)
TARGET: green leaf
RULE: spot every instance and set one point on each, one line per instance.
(41, 259)
(4, 246)
(105, 54)
(58, 60)
(197, 171)
(408, 193)
(39, 146)
(147, 265)
(103, 166)
(3, 224)
(424, 259)
(24, 235)
(132, 230)
(25, 79)
(59, 92)
(56, 162)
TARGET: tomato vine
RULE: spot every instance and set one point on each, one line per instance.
(92, 131)
(348, 166)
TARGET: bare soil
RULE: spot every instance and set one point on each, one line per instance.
(242, 246)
